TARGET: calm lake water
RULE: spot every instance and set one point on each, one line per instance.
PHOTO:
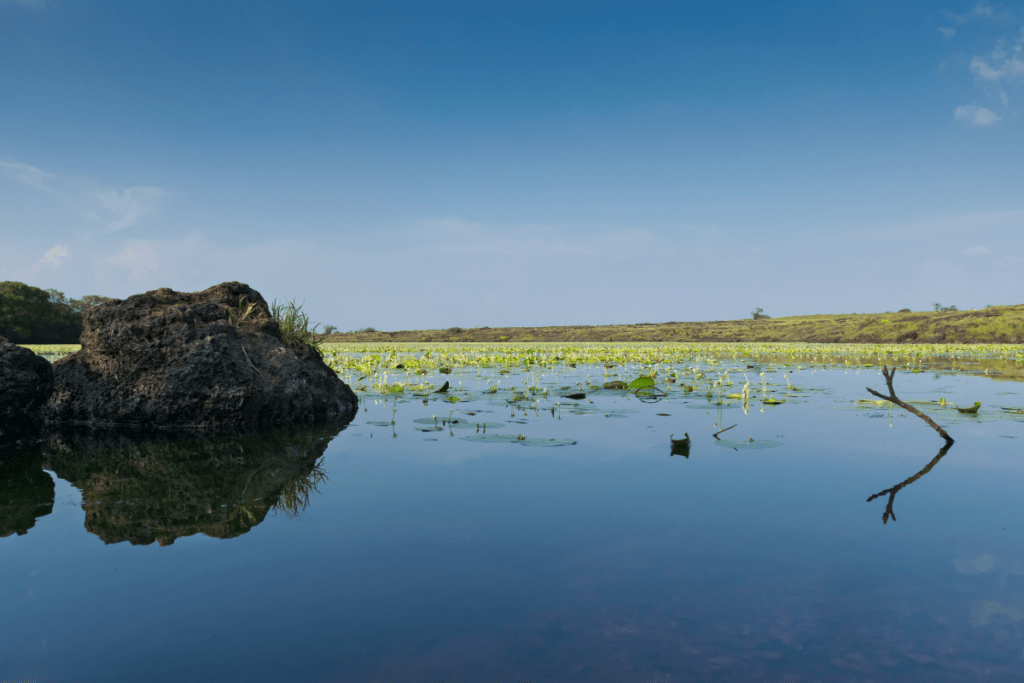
(419, 552)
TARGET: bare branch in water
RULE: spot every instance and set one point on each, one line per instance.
(888, 374)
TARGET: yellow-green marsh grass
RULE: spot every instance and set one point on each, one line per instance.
(383, 368)
(995, 324)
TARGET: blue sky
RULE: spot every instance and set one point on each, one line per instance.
(423, 165)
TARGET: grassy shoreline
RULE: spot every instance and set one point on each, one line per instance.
(994, 325)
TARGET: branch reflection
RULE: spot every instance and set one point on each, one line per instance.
(889, 514)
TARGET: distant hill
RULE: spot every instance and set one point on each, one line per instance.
(993, 325)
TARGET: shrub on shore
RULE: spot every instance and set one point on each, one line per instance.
(29, 315)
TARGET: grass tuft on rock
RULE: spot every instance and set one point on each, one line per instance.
(295, 326)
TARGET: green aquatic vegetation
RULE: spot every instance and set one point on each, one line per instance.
(641, 382)
(551, 355)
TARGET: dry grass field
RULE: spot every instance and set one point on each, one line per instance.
(993, 325)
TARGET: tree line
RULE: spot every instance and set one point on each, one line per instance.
(30, 315)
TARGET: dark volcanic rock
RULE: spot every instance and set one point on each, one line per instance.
(193, 359)
(26, 382)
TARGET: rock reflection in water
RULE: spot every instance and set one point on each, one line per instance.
(146, 489)
(26, 491)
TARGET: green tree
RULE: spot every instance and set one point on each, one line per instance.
(96, 300)
(29, 315)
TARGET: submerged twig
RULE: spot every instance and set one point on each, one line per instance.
(888, 374)
(895, 489)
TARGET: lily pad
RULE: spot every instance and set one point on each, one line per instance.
(458, 423)
(514, 439)
(747, 444)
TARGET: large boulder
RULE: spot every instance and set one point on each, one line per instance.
(26, 382)
(214, 358)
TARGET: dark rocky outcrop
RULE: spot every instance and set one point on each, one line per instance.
(158, 486)
(214, 358)
(26, 382)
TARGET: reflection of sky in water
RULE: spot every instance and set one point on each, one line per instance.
(607, 560)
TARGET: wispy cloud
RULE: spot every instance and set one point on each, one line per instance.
(129, 204)
(995, 73)
(979, 116)
(1003, 64)
(982, 10)
(57, 256)
(54, 262)
(110, 208)
(30, 175)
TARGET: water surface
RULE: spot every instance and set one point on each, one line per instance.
(426, 550)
